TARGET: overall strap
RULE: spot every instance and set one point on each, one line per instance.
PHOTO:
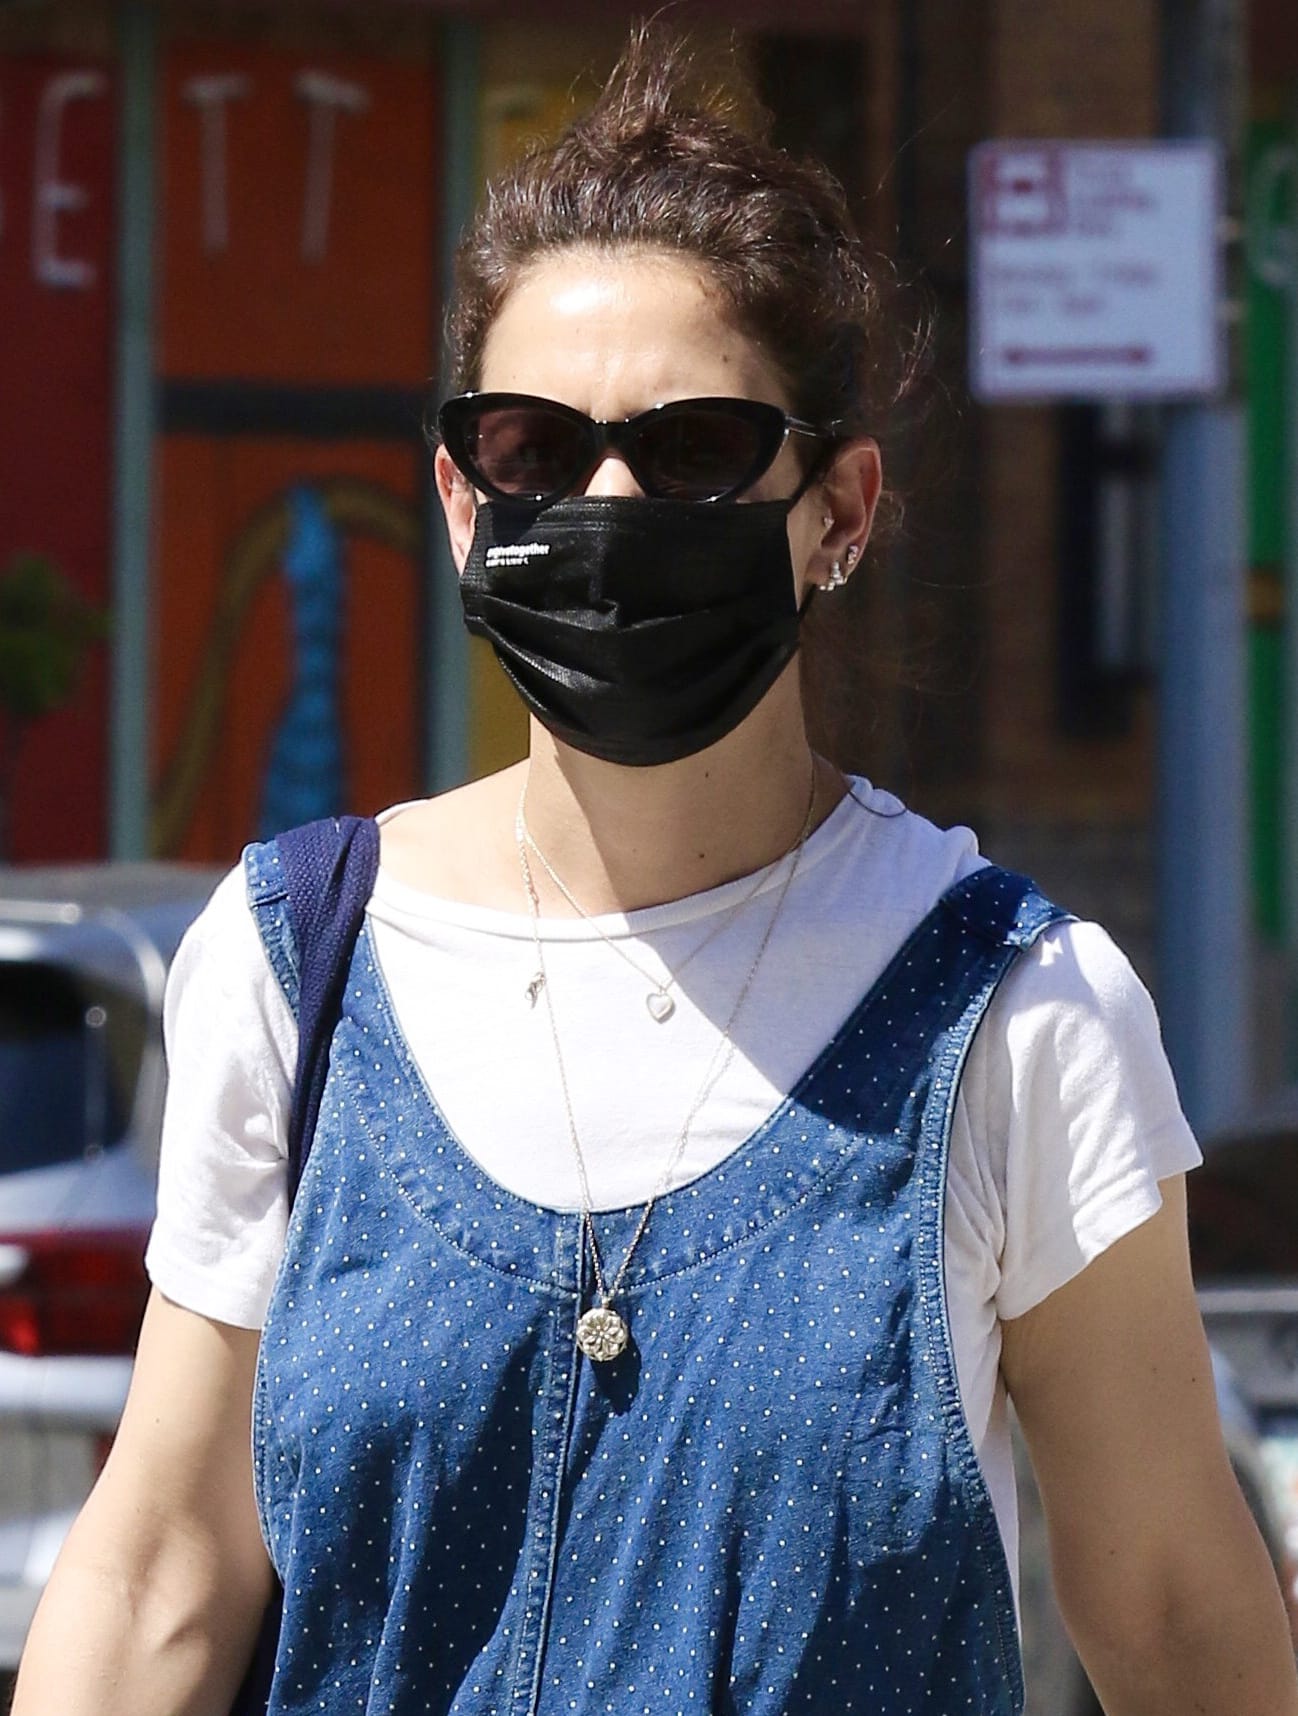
(916, 1024)
(329, 869)
(1002, 907)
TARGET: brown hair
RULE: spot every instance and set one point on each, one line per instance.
(660, 163)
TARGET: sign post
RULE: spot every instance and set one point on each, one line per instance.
(1096, 271)
(1098, 275)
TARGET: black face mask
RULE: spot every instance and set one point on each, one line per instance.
(636, 630)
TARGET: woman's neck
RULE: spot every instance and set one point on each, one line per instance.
(624, 838)
(620, 838)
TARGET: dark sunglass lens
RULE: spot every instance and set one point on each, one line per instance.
(525, 450)
(699, 452)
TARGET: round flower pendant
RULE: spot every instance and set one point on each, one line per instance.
(601, 1333)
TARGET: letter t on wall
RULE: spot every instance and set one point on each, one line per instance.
(51, 196)
(325, 96)
(210, 95)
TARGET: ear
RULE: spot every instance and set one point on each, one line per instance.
(850, 490)
(458, 503)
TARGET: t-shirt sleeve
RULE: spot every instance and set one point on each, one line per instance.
(1078, 1111)
(231, 1043)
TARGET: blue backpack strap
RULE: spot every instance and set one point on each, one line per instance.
(308, 889)
(328, 870)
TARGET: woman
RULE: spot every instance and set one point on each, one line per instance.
(711, 1144)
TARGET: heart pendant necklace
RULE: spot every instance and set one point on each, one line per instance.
(659, 1002)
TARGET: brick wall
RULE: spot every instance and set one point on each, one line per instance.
(1075, 811)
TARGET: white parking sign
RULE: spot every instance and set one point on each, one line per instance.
(1096, 270)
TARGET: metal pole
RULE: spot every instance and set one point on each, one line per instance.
(1289, 742)
(1204, 942)
(448, 712)
(130, 705)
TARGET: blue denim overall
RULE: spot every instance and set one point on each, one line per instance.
(769, 1503)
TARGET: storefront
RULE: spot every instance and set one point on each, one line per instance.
(225, 234)
(224, 245)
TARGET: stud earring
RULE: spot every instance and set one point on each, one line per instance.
(827, 520)
(853, 555)
(837, 577)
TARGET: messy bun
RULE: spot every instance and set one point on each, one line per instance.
(662, 163)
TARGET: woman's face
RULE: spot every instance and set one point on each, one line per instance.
(614, 335)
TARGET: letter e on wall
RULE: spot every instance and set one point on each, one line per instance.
(52, 196)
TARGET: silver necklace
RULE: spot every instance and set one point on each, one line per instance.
(659, 1001)
(601, 1331)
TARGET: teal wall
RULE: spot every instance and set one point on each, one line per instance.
(1271, 216)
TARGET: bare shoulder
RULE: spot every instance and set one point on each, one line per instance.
(458, 845)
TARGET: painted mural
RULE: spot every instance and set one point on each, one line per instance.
(305, 772)
(57, 261)
(287, 713)
(297, 331)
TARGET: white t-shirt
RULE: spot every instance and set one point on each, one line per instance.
(1066, 1119)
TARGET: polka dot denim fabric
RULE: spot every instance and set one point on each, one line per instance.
(770, 1503)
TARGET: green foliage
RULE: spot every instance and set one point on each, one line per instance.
(46, 630)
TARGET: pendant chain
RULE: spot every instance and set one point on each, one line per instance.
(606, 1344)
(658, 1001)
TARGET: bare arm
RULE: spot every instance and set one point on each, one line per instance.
(155, 1601)
(1161, 1575)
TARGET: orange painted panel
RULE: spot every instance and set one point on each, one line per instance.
(58, 121)
(513, 116)
(299, 230)
(227, 652)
